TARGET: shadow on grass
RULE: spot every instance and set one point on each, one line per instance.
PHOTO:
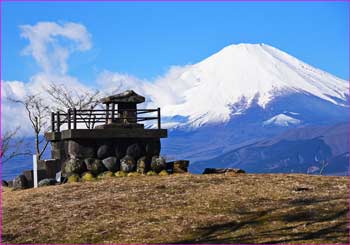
(317, 224)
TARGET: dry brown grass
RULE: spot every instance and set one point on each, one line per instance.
(181, 209)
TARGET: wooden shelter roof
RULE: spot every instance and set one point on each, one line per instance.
(129, 96)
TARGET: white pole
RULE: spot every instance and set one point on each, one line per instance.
(35, 171)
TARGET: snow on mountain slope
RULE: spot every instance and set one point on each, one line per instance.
(282, 120)
(243, 74)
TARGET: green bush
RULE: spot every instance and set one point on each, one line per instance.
(107, 174)
(134, 174)
(163, 173)
(73, 178)
(120, 174)
(151, 173)
(87, 176)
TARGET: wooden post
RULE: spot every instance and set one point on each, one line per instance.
(58, 121)
(107, 112)
(75, 118)
(68, 115)
(113, 108)
(158, 111)
(53, 121)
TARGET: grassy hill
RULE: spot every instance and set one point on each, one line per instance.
(181, 209)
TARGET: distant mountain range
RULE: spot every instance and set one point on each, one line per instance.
(302, 150)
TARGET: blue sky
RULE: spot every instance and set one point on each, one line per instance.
(145, 39)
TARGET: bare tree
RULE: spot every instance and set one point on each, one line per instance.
(324, 164)
(37, 113)
(13, 146)
(64, 99)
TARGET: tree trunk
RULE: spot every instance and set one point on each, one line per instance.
(37, 146)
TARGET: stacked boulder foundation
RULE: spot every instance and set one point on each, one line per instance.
(87, 160)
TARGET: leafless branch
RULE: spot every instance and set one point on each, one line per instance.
(13, 146)
(37, 113)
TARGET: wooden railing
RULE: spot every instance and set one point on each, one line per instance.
(91, 117)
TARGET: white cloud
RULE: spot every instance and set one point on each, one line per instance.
(163, 91)
(47, 47)
(50, 44)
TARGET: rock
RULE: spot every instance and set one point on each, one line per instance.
(73, 178)
(152, 148)
(88, 163)
(73, 166)
(51, 166)
(46, 182)
(170, 167)
(143, 165)
(151, 173)
(79, 150)
(163, 173)
(223, 171)
(20, 182)
(158, 164)
(4, 183)
(28, 174)
(134, 150)
(119, 150)
(112, 164)
(105, 175)
(120, 174)
(105, 151)
(96, 167)
(180, 166)
(134, 174)
(127, 164)
(87, 176)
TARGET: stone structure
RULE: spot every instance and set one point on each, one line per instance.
(118, 135)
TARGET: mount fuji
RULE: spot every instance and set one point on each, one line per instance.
(246, 93)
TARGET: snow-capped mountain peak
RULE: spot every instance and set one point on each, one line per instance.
(282, 120)
(245, 74)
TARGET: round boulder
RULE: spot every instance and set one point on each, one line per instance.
(73, 166)
(127, 164)
(4, 183)
(88, 163)
(97, 167)
(134, 150)
(80, 150)
(20, 182)
(112, 164)
(152, 148)
(158, 164)
(46, 182)
(105, 151)
(119, 150)
(143, 165)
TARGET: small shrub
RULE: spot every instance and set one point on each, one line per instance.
(107, 174)
(88, 177)
(120, 174)
(163, 173)
(134, 174)
(151, 173)
(73, 178)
